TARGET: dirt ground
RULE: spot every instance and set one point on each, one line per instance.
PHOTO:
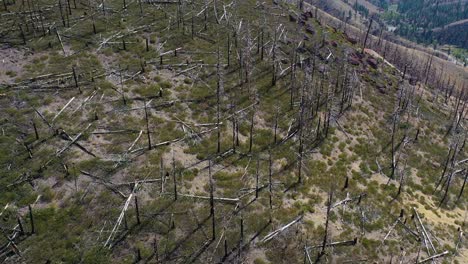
(12, 61)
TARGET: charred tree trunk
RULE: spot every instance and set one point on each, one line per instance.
(275, 127)
(31, 219)
(463, 186)
(174, 176)
(270, 172)
(137, 210)
(218, 110)
(257, 175)
(35, 129)
(273, 79)
(251, 130)
(212, 208)
(367, 35)
(147, 126)
(325, 236)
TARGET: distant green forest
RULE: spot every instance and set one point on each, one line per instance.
(425, 21)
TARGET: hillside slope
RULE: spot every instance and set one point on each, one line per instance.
(219, 132)
(408, 23)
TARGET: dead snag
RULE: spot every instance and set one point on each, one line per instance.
(275, 127)
(161, 174)
(251, 130)
(262, 46)
(69, 7)
(274, 77)
(94, 26)
(241, 228)
(174, 176)
(427, 71)
(293, 76)
(212, 209)
(137, 210)
(20, 225)
(229, 50)
(23, 36)
(121, 87)
(147, 126)
(225, 246)
(463, 186)
(234, 134)
(218, 110)
(346, 183)
(31, 219)
(325, 236)
(61, 12)
(75, 78)
(300, 135)
(125, 221)
(137, 255)
(393, 150)
(367, 35)
(447, 160)
(192, 27)
(270, 173)
(35, 129)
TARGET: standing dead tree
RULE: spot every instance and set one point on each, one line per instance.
(367, 34)
(148, 133)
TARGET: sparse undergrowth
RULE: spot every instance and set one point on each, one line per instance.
(247, 124)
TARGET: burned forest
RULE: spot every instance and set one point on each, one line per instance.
(224, 131)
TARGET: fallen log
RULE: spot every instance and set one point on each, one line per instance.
(434, 257)
(137, 181)
(218, 199)
(409, 230)
(424, 232)
(129, 131)
(43, 118)
(105, 183)
(73, 141)
(336, 244)
(63, 108)
(65, 136)
(280, 230)
(135, 141)
(348, 199)
(121, 216)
